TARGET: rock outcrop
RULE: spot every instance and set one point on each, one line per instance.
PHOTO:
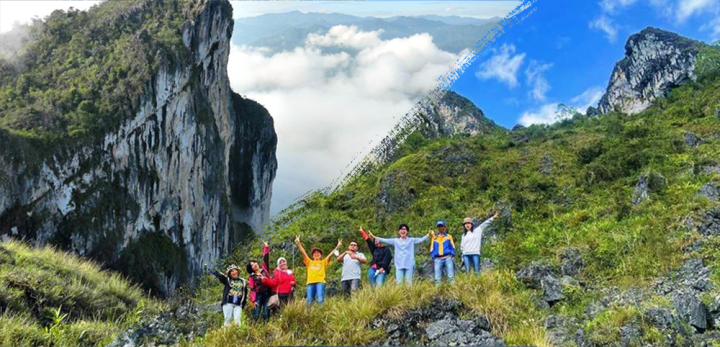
(655, 61)
(454, 115)
(188, 175)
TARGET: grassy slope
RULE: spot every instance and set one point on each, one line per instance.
(52, 298)
(584, 202)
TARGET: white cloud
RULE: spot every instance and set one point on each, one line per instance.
(502, 66)
(23, 12)
(549, 113)
(536, 80)
(345, 36)
(546, 114)
(687, 8)
(589, 97)
(612, 5)
(605, 24)
(327, 107)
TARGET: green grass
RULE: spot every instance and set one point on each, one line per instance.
(345, 321)
(54, 298)
(585, 202)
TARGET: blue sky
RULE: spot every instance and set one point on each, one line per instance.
(573, 47)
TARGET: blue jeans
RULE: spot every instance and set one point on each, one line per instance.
(473, 259)
(449, 267)
(404, 273)
(315, 291)
(376, 278)
(261, 304)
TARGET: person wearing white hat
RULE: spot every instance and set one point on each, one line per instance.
(235, 294)
(471, 242)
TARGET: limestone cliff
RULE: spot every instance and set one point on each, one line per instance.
(176, 185)
(655, 61)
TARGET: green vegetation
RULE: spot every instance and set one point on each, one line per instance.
(569, 185)
(78, 70)
(52, 298)
(344, 322)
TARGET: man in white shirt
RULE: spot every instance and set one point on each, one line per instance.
(472, 241)
(351, 269)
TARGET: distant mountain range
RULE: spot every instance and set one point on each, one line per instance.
(285, 31)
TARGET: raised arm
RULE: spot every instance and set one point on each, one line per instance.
(487, 222)
(341, 256)
(367, 239)
(327, 259)
(417, 240)
(382, 240)
(299, 245)
(266, 257)
(222, 278)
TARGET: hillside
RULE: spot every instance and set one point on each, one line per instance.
(609, 232)
(121, 139)
(53, 298)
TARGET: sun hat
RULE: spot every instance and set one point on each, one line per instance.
(467, 220)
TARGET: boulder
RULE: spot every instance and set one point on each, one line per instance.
(552, 290)
(691, 310)
(710, 191)
(648, 183)
(571, 262)
(533, 274)
(692, 140)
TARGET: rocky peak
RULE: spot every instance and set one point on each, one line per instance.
(655, 61)
(454, 115)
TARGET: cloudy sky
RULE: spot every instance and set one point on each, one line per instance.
(329, 108)
(565, 53)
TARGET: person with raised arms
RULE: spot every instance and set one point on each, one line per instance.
(381, 258)
(315, 271)
(404, 252)
(234, 295)
(471, 242)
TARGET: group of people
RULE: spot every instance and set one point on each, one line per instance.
(266, 290)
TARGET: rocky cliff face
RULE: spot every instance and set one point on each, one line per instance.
(174, 187)
(454, 115)
(655, 61)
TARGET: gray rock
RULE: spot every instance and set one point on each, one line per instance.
(552, 289)
(533, 274)
(710, 191)
(655, 61)
(710, 169)
(592, 112)
(546, 164)
(692, 140)
(692, 310)
(711, 223)
(714, 312)
(630, 335)
(571, 262)
(660, 317)
(648, 183)
(482, 323)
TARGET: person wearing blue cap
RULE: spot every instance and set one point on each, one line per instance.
(442, 251)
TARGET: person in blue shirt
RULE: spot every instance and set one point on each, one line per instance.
(404, 252)
(442, 252)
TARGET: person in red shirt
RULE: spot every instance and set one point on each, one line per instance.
(284, 280)
(260, 284)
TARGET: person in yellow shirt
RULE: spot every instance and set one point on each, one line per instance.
(315, 271)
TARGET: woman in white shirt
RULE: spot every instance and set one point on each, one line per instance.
(472, 241)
